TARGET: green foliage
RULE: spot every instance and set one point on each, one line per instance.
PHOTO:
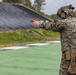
(38, 4)
(27, 2)
(49, 33)
(54, 16)
(25, 36)
(13, 1)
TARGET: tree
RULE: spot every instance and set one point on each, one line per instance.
(26, 2)
(13, 1)
(6, 0)
(38, 4)
(54, 16)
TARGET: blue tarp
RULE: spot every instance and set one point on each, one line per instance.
(13, 17)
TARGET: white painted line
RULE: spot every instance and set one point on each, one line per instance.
(29, 45)
(14, 47)
(53, 42)
(37, 44)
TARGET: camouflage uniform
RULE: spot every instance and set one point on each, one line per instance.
(67, 29)
(68, 41)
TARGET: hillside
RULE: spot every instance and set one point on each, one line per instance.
(16, 28)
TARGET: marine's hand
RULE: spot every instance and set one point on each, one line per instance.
(36, 23)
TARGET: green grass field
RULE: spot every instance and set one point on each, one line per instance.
(40, 60)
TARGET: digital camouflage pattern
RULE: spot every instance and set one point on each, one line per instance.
(67, 29)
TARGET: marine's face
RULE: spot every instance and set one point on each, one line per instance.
(63, 15)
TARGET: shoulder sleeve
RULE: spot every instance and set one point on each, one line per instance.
(56, 26)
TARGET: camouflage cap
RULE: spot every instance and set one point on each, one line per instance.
(66, 11)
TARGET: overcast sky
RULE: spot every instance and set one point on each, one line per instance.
(52, 6)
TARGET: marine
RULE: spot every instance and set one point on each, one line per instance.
(66, 26)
